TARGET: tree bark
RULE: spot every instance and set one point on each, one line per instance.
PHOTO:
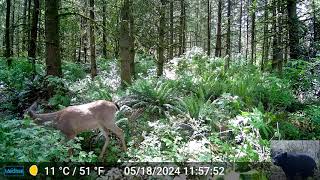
(209, 28)
(132, 51)
(265, 44)
(171, 31)
(7, 35)
(162, 24)
(219, 35)
(253, 33)
(228, 50)
(53, 61)
(92, 42)
(24, 29)
(293, 23)
(240, 27)
(104, 29)
(34, 33)
(12, 29)
(182, 26)
(124, 45)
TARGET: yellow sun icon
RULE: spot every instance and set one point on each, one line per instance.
(33, 170)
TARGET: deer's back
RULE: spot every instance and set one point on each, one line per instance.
(75, 119)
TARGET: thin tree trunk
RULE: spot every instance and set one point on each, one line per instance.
(12, 34)
(34, 33)
(125, 45)
(7, 35)
(92, 42)
(274, 37)
(53, 61)
(228, 50)
(132, 38)
(209, 28)
(240, 27)
(293, 29)
(253, 34)
(265, 36)
(279, 36)
(182, 27)
(219, 35)
(171, 31)
(247, 29)
(104, 29)
(24, 27)
(162, 24)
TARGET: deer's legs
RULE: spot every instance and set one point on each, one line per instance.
(106, 136)
(118, 132)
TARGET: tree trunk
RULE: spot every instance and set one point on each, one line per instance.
(265, 46)
(104, 29)
(253, 34)
(182, 25)
(7, 35)
(12, 34)
(293, 23)
(24, 27)
(162, 24)
(131, 40)
(124, 45)
(240, 27)
(53, 61)
(228, 50)
(219, 35)
(34, 33)
(92, 42)
(209, 28)
(247, 29)
(275, 45)
(279, 36)
(171, 31)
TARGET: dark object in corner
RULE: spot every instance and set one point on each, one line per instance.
(294, 164)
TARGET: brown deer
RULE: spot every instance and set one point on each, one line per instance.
(73, 120)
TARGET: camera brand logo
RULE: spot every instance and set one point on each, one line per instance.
(14, 171)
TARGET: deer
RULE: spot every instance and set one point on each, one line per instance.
(73, 120)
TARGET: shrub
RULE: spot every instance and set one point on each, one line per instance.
(23, 141)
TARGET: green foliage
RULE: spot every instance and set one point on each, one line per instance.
(73, 71)
(156, 97)
(23, 141)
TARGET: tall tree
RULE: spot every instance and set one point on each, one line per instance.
(228, 50)
(162, 24)
(219, 34)
(131, 40)
(7, 35)
(34, 33)
(171, 31)
(104, 29)
(12, 29)
(182, 26)
(53, 61)
(24, 23)
(265, 45)
(275, 45)
(124, 45)
(92, 42)
(209, 28)
(253, 32)
(293, 24)
(240, 27)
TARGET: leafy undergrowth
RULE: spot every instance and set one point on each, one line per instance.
(196, 112)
